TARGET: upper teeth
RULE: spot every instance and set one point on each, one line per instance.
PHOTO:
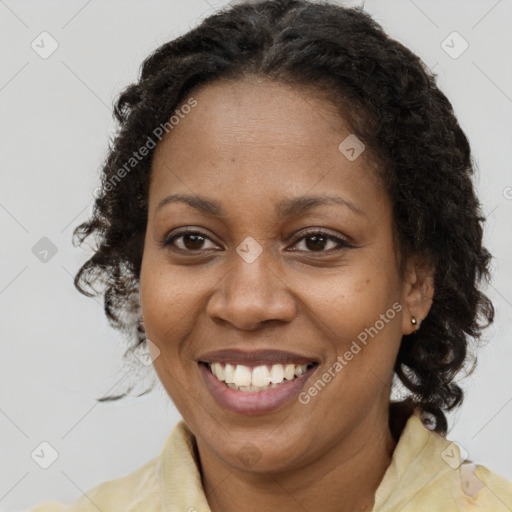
(240, 375)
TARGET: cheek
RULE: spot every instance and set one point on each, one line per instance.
(164, 301)
(350, 300)
(361, 325)
(168, 292)
(359, 312)
(168, 301)
(174, 299)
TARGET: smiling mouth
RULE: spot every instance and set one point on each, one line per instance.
(256, 378)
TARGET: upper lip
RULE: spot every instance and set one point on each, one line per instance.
(255, 358)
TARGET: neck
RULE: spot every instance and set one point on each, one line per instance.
(342, 479)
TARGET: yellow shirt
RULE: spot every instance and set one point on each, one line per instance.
(425, 475)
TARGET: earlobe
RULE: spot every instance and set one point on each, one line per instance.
(411, 323)
(418, 294)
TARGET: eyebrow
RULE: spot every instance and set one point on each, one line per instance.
(285, 209)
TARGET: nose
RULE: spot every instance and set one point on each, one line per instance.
(252, 294)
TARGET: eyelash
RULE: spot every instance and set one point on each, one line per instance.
(168, 242)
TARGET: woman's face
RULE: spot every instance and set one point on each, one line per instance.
(257, 279)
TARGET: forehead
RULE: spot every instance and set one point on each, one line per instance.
(258, 111)
(258, 139)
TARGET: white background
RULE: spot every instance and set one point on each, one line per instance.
(58, 353)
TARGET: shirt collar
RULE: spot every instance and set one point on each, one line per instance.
(412, 466)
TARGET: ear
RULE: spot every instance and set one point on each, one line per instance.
(417, 293)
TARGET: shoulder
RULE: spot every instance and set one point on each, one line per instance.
(428, 472)
(171, 481)
(137, 491)
(485, 490)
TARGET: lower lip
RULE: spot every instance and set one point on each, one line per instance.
(254, 402)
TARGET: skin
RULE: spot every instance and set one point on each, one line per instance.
(248, 145)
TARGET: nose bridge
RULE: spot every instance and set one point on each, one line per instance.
(252, 270)
(252, 291)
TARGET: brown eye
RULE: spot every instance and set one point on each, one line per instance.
(192, 241)
(317, 241)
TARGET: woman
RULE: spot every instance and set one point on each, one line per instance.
(286, 221)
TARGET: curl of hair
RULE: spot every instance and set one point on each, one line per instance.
(390, 100)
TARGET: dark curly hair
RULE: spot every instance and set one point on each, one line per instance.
(390, 100)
